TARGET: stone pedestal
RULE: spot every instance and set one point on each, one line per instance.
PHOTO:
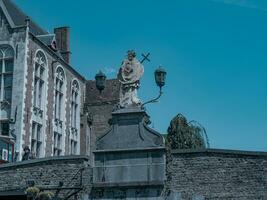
(129, 159)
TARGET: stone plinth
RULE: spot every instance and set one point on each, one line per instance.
(130, 155)
(130, 130)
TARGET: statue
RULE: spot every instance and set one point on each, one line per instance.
(129, 76)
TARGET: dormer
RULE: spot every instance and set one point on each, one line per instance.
(49, 40)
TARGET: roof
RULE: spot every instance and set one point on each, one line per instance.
(16, 17)
(109, 94)
(47, 39)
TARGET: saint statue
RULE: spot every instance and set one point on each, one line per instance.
(129, 76)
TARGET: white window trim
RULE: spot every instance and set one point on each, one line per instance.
(43, 119)
(59, 125)
(75, 131)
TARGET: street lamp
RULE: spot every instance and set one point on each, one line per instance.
(160, 77)
(100, 81)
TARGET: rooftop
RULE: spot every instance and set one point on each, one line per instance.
(17, 18)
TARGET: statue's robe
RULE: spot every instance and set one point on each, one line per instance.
(129, 76)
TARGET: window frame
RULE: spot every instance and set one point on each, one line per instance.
(75, 103)
(39, 79)
(59, 111)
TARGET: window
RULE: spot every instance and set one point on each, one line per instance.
(6, 81)
(59, 93)
(75, 117)
(6, 150)
(59, 110)
(39, 80)
(73, 145)
(57, 144)
(5, 128)
(74, 104)
(36, 142)
(6, 73)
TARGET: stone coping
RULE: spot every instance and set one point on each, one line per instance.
(220, 151)
(130, 110)
(128, 184)
(129, 150)
(44, 160)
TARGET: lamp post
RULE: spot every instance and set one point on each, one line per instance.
(160, 77)
(100, 81)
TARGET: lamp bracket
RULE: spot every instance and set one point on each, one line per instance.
(155, 100)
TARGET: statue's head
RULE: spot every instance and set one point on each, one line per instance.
(131, 55)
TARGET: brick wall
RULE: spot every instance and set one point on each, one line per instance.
(46, 173)
(218, 174)
(208, 174)
(100, 107)
(70, 75)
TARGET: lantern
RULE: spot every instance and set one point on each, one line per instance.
(100, 80)
(160, 76)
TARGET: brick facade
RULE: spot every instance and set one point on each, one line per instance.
(26, 38)
(218, 174)
(100, 106)
(208, 174)
(70, 74)
(46, 173)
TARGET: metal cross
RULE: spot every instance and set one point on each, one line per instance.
(145, 57)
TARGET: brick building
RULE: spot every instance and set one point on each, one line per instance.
(42, 95)
(99, 107)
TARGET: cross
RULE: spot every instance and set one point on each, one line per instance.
(145, 57)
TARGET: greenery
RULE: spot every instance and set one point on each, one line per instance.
(35, 194)
(182, 135)
(32, 191)
(45, 195)
(186, 135)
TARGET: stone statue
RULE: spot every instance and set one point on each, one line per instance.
(129, 76)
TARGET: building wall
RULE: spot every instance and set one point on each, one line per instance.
(25, 46)
(195, 175)
(70, 75)
(99, 106)
(46, 173)
(218, 174)
(16, 38)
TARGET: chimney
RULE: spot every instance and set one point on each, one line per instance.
(63, 42)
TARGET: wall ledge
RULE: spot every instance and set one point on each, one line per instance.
(44, 160)
(220, 151)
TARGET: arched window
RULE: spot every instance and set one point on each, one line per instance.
(59, 92)
(6, 79)
(39, 79)
(59, 110)
(75, 116)
(37, 136)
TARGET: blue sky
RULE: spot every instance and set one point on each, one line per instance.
(214, 51)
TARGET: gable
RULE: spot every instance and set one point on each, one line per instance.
(17, 17)
(5, 28)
